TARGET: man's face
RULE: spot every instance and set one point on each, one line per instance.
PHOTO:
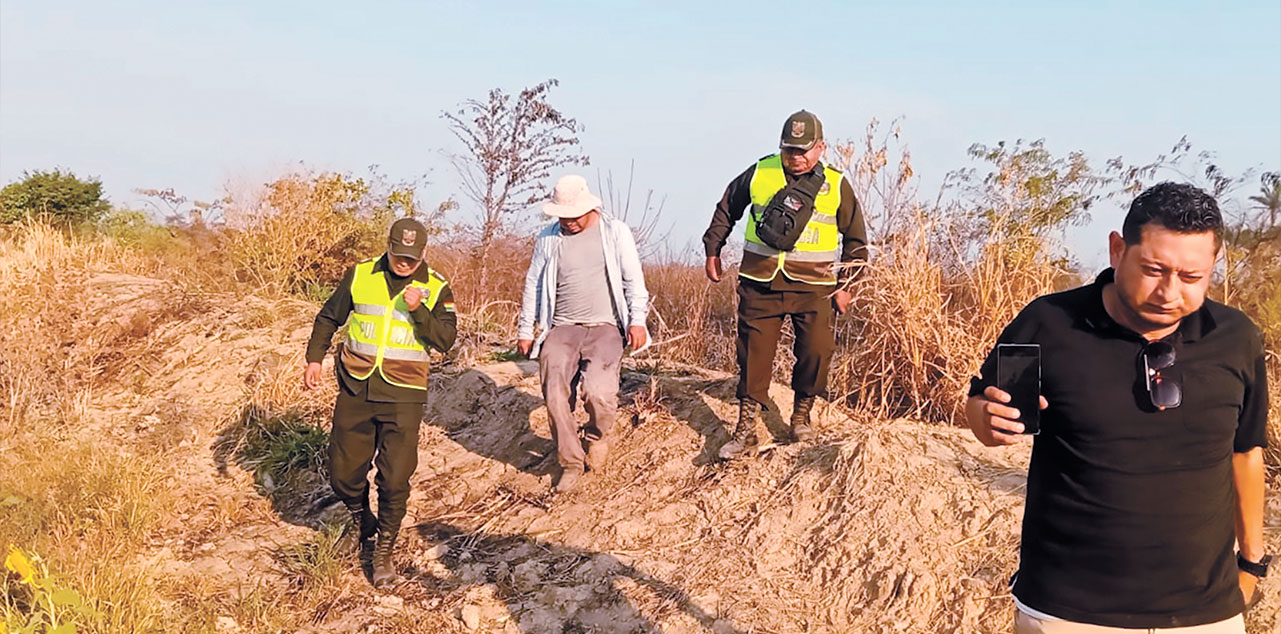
(797, 161)
(1164, 277)
(570, 226)
(401, 265)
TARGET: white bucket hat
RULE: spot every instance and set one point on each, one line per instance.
(571, 198)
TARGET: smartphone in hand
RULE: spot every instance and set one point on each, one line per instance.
(1018, 373)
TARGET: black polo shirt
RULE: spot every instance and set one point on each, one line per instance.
(1129, 519)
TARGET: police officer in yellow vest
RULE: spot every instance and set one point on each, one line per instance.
(805, 282)
(395, 308)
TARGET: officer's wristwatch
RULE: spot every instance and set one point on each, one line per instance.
(1259, 569)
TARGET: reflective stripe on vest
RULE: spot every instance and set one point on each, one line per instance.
(819, 246)
(380, 332)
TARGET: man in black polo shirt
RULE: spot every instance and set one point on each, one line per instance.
(1150, 457)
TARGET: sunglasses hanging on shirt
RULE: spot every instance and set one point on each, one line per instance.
(1163, 387)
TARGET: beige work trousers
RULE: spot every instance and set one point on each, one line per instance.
(1027, 624)
(583, 356)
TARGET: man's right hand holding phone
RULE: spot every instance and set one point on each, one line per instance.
(993, 422)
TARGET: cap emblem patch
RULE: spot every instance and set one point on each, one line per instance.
(407, 237)
(798, 129)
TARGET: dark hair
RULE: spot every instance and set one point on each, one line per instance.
(1178, 207)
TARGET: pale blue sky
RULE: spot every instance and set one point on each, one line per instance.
(190, 94)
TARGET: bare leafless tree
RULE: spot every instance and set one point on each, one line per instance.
(645, 220)
(511, 142)
(179, 209)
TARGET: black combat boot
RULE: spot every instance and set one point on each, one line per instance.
(802, 429)
(744, 437)
(360, 533)
(384, 572)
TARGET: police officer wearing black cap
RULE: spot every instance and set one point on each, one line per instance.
(395, 308)
(803, 241)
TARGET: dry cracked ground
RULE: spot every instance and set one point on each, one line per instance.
(881, 526)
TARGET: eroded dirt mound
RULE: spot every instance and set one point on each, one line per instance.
(893, 527)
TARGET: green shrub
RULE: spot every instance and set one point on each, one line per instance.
(282, 448)
(55, 196)
(285, 452)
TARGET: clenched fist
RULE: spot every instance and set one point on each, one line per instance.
(413, 297)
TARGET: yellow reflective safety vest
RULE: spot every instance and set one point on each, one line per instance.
(380, 332)
(819, 247)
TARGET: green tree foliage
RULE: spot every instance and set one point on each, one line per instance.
(1029, 189)
(56, 196)
(1025, 193)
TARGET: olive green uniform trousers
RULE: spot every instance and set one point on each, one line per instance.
(366, 434)
(761, 311)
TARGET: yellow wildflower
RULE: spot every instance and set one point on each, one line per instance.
(18, 563)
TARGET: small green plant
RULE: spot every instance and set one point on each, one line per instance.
(317, 291)
(507, 355)
(33, 602)
(317, 562)
(279, 448)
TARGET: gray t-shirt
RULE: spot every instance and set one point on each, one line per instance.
(582, 287)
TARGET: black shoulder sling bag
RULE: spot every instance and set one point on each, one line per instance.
(781, 223)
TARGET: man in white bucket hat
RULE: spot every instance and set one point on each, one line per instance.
(585, 294)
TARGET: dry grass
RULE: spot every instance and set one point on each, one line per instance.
(1274, 416)
(692, 320)
(924, 319)
(487, 316)
(99, 494)
(305, 232)
(1253, 284)
(86, 506)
